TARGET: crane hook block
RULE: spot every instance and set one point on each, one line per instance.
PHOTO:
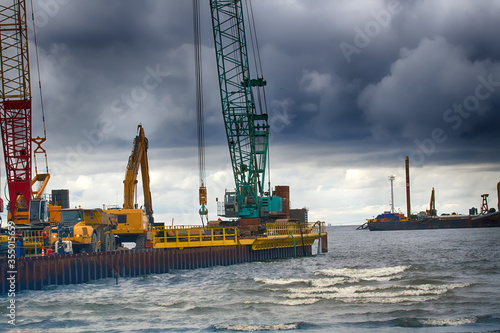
(203, 195)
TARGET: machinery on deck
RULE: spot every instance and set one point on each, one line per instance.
(246, 122)
(133, 222)
(86, 230)
(27, 207)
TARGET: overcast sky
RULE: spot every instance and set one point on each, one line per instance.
(353, 88)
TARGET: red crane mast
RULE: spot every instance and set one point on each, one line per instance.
(15, 105)
(15, 112)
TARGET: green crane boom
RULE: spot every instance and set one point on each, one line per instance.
(247, 130)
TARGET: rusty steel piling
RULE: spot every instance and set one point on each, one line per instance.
(37, 272)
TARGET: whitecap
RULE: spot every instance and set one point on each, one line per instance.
(375, 294)
(326, 282)
(281, 281)
(448, 322)
(294, 302)
(364, 274)
(253, 328)
(291, 302)
(166, 304)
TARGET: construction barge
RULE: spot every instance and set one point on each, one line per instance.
(258, 225)
(394, 221)
(389, 220)
(173, 248)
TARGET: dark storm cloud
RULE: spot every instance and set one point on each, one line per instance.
(109, 66)
(407, 64)
(410, 64)
(422, 85)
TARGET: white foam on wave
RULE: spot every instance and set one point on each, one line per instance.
(253, 328)
(166, 304)
(375, 294)
(364, 274)
(322, 282)
(294, 302)
(448, 322)
(383, 278)
(290, 302)
(281, 281)
(348, 290)
(391, 300)
(326, 282)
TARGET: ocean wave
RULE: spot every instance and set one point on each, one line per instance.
(167, 304)
(254, 328)
(375, 294)
(294, 302)
(341, 276)
(289, 302)
(448, 322)
(423, 322)
(322, 282)
(326, 282)
(380, 274)
(281, 281)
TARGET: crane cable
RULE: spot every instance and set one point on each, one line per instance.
(199, 91)
(199, 107)
(262, 100)
(256, 53)
(38, 140)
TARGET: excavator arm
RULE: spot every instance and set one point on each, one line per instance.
(138, 158)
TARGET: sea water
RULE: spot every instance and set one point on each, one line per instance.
(388, 281)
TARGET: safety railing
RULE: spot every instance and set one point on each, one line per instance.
(183, 226)
(185, 236)
(294, 228)
(33, 241)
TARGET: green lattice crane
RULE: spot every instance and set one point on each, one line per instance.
(247, 128)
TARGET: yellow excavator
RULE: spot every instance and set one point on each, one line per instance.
(134, 221)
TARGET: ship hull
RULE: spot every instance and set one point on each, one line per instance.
(448, 222)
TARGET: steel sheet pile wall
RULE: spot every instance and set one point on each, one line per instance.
(34, 273)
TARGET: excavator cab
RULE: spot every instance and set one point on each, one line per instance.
(39, 211)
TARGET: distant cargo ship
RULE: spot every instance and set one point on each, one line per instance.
(487, 218)
(396, 221)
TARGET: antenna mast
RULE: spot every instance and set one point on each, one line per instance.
(391, 179)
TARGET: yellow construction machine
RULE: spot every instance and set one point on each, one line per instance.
(85, 230)
(134, 221)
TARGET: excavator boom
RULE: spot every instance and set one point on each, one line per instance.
(138, 158)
